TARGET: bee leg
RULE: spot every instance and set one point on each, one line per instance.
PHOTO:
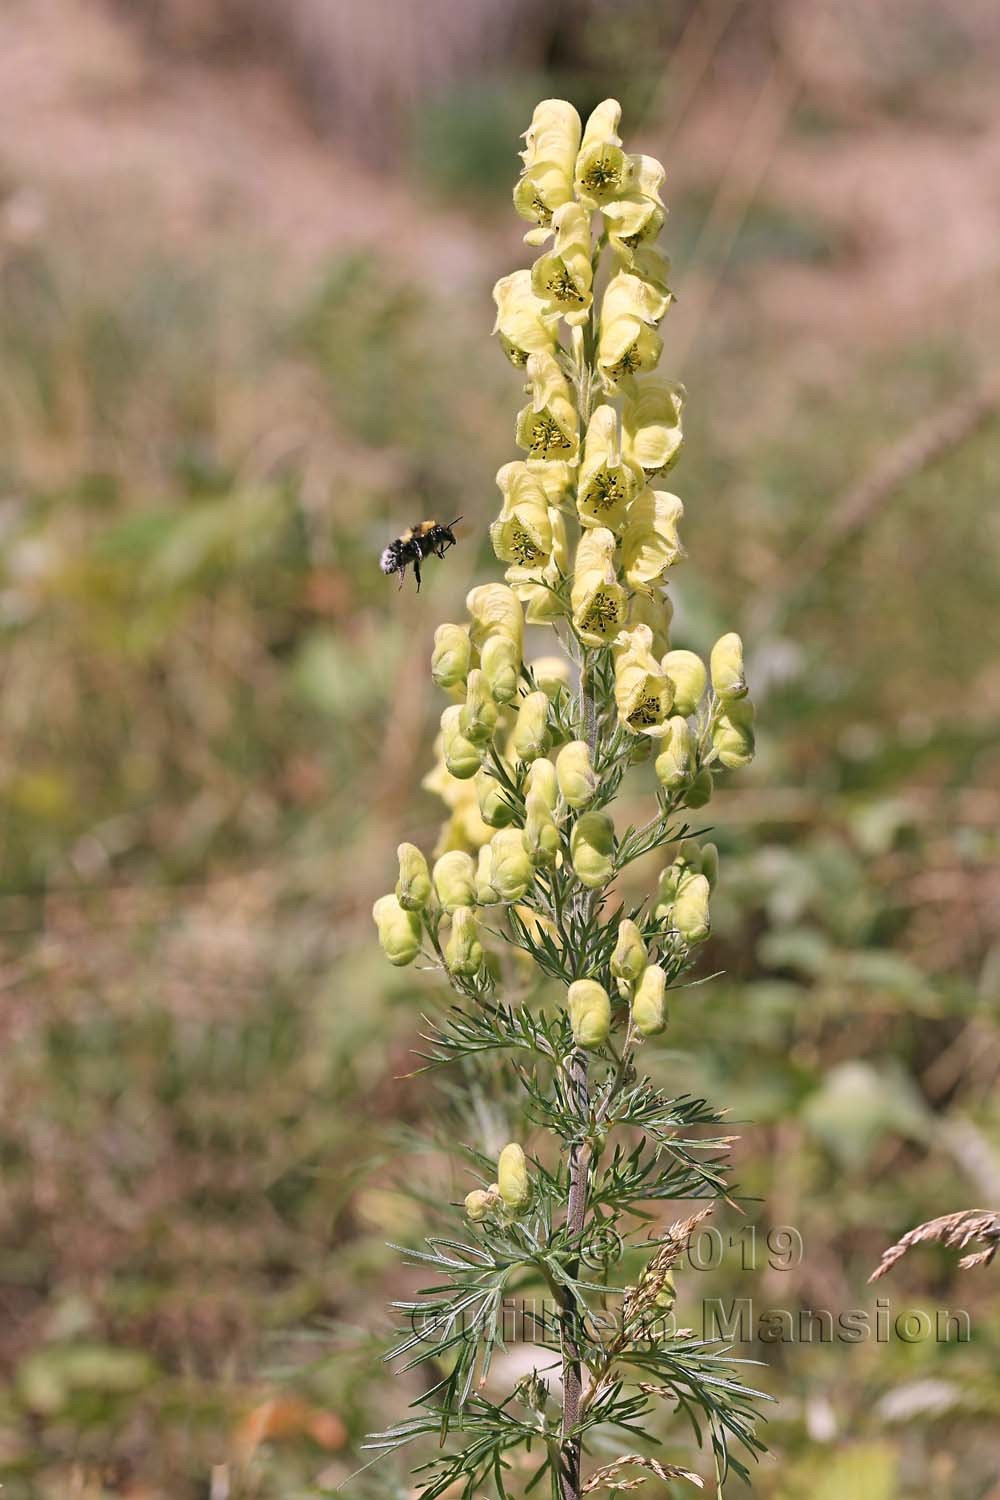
(416, 572)
(402, 575)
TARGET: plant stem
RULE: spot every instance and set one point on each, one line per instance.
(576, 1208)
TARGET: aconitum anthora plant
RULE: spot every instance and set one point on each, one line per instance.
(562, 978)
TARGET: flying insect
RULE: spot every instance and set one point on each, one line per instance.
(415, 544)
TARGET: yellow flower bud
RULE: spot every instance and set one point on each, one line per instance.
(413, 888)
(548, 426)
(575, 774)
(592, 849)
(651, 424)
(649, 1015)
(589, 1013)
(512, 870)
(629, 958)
(486, 892)
(541, 782)
(494, 608)
(500, 660)
(512, 1178)
(727, 667)
(563, 277)
(398, 931)
(607, 483)
(494, 805)
(643, 691)
(531, 735)
(655, 610)
(596, 597)
(733, 736)
(461, 757)
(541, 836)
(463, 952)
(690, 913)
(675, 762)
(454, 879)
(479, 1203)
(651, 545)
(710, 864)
(700, 790)
(451, 657)
(478, 715)
(690, 679)
(551, 674)
(552, 141)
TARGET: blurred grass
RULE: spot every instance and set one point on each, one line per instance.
(215, 722)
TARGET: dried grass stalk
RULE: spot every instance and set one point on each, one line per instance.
(607, 1478)
(954, 1230)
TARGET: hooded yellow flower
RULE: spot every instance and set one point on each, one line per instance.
(655, 610)
(651, 545)
(675, 762)
(413, 888)
(512, 1178)
(531, 733)
(461, 756)
(628, 342)
(575, 774)
(524, 324)
(454, 877)
(541, 836)
(629, 958)
(479, 714)
(589, 1009)
(542, 781)
(608, 482)
(463, 952)
(551, 144)
(500, 660)
(726, 662)
(602, 168)
(494, 805)
(733, 735)
(596, 597)
(537, 586)
(592, 849)
(649, 1004)
(643, 691)
(494, 607)
(452, 656)
(686, 671)
(522, 533)
(652, 424)
(548, 427)
(632, 221)
(563, 277)
(398, 931)
(511, 872)
(690, 913)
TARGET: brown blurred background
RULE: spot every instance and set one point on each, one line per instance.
(246, 251)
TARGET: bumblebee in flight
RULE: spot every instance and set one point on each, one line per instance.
(415, 544)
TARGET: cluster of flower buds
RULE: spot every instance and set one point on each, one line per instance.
(684, 889)
(509, 1195)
